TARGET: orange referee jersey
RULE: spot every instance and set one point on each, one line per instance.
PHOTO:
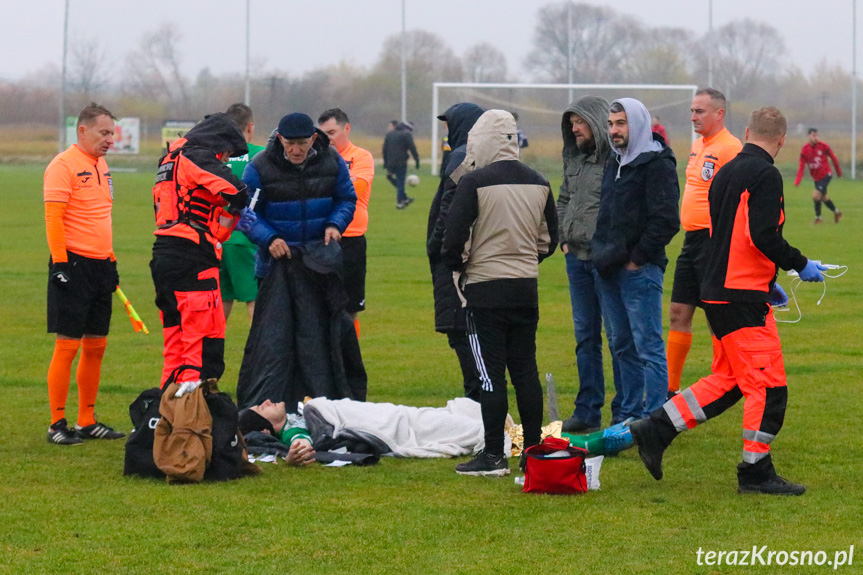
(361, 165)
(83, 184)
(707, 156)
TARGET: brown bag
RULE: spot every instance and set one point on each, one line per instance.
(183, 443)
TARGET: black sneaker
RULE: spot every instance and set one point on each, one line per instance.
(408, 201)
(575, 425)
(776, 485)
(401, 205)
(484, 464)
(60, 434)
(98, 431)
(650, 445)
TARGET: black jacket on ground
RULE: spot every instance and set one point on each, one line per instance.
(448, 312)
(398, 143)
(306, 344)
(638, 211)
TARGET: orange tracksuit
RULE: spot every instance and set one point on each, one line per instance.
(746, 246)
(197, 201)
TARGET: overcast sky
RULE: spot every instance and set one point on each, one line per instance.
(298, 36)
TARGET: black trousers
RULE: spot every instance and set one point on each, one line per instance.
(505, 339)
(460, 344)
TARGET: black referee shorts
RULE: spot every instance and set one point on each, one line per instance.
(690, 268)
(83, 306)
(354, 266)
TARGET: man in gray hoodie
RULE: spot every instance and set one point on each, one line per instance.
(585, 151)
(638, 216)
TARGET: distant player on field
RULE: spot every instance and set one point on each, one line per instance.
(78, 195)
(335, 124)
(814, 154)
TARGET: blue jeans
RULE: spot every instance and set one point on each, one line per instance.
(632, 302)
(397, 177)
(587, 320)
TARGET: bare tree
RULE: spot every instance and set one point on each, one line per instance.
(88, 71)
(661, 57)
(154, 69)
(746, 53)
(484, 63)
(602, 43)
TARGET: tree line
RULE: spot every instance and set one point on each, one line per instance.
(589, 44)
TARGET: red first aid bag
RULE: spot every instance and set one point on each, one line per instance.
(554, 466)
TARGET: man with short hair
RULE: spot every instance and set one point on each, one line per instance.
(361, 165)
(501, 224)
(198, 202)
(746, 248)
(585, 151)
(78, 194)
(815, 154)
(237, 273)
(715, 148)
(398, 143)
(637, 218)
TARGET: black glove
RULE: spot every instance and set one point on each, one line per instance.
(115, 276)
(60, 274)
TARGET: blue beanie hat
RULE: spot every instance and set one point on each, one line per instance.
(296, 126)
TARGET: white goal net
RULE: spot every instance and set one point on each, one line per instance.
(540, 107)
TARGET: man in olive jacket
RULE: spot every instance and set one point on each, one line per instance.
(585, 151)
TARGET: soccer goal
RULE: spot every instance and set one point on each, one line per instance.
(540, 107)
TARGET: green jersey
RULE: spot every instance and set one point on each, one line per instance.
(238, 166)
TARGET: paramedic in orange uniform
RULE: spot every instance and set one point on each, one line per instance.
(715, 148)
(78, 196)
(336, 125)
(746, 247)
(197, 202)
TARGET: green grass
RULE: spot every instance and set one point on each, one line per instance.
(70, 510)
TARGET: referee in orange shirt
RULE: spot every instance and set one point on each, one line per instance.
(715, 148)
(336, 125)
(78, 197)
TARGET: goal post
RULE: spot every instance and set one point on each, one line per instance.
(483, 94)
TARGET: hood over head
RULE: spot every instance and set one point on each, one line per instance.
(218, 133)
(640, 135)
(595, 110)
(460, 118)
(493, 138)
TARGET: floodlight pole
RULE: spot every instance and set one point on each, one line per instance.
(569, 47)
(404, 68)
(854, 89)
(61, 141)
(710, 41)
(246, 98)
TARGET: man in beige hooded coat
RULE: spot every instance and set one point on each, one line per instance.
(502, 222)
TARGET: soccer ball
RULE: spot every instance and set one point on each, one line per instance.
(413, 180)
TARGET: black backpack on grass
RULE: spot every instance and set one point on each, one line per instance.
(144, 412)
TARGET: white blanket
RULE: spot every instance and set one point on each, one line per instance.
(410, 431)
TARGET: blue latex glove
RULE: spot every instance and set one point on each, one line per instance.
(777, 296)
(618, 437)
(247, 220)
(812, 272)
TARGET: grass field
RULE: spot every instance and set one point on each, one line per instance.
(70, 510)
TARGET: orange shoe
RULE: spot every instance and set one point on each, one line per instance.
(837, 216)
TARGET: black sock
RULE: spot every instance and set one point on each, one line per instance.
(817, 208)
(830, 206)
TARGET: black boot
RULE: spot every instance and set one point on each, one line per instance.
(761, 477)
(653, 435)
